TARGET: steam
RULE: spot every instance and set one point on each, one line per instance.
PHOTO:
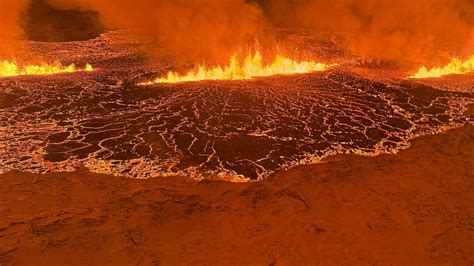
(215, 29)
(401, 29)
(10, 13)
(191, 29)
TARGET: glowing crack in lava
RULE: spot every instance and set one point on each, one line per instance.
(456, 66)
(228, 130)
(11, 69)
(252, 66)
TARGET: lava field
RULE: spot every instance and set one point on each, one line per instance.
(247, 129)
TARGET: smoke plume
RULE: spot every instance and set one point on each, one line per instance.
(389, 29)
(192, 29)
(10, 13)
(215, 29)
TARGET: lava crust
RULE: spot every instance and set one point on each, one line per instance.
(243, 129)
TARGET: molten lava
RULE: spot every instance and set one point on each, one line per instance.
(456, 66)
(11, 69)
(251, 67)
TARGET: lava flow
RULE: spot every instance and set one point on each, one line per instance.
(11, 69)
(456, 66)
(252, 66)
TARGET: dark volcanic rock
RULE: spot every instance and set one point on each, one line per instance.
(105, 121)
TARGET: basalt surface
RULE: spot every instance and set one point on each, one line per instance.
(243, 129)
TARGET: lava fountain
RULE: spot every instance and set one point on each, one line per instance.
(251, 67)
(456, 66)
(11, 69)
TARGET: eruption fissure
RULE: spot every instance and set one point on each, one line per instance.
(251, 67)
(12, 69)
(456, 66)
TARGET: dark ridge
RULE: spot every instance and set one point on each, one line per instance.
(43, 22)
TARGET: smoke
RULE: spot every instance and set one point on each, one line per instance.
(215, 29)
(191, 29)
(386, 29)
(389, 29)
(10, 13)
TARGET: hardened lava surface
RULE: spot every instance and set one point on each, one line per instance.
(107, 123)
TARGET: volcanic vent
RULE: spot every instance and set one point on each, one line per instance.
(106, 121)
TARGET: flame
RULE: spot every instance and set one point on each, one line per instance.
(251, 67)
(456, 66)
(11, 69)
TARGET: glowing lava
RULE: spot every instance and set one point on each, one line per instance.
(456, 66)
(251, 67)
(11, 69)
